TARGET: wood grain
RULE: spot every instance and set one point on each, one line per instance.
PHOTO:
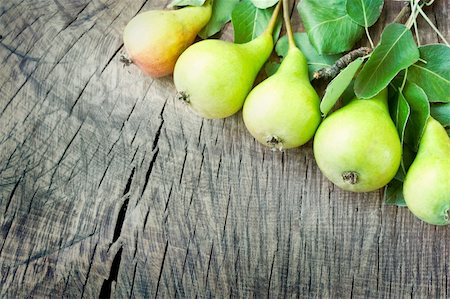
(111, 187)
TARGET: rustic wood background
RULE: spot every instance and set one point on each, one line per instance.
(110, 187)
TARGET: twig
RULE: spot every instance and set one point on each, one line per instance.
(406, 10)
(368, 37)
(332, 71)
(341, 63)
(415, 25)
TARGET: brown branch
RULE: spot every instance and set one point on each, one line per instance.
(332, 71)
(406, 10)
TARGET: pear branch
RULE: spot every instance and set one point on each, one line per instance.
(332, 71)
(274, 18)
(287, 22)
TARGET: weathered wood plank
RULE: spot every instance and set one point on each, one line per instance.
(110, 187)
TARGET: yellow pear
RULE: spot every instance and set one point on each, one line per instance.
(215, 76)
(155, 39)
(283, 111)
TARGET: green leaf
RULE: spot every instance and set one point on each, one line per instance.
(314, 59)
(271, 68)
(400, 111)
(249, 22)
(364, 12)
(349, 93)
(393, 194)
(263, 4)
(221, 14)
(434, 75)
(186, 2)
(329, 27)
(441, 112)
(396, 51)
(338, 85)
(420, 111)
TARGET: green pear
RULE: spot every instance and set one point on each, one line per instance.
(215, 76)
(358, 147)
(283, 111)
(155, 39)
(427, 184)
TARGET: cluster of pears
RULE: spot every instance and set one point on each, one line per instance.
(216, 79)
(357, 147)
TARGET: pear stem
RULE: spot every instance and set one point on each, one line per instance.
(287, 23)
(273, 20)
(332, 71)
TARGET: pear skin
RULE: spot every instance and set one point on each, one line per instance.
(155, 39)
(357, 147)
(283, 111)
(427, 184)
(215, 76)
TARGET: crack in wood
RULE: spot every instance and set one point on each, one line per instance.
(133, 280)
(161, 268)
(12, 194)
(20, 54)
(182, 167)
(200, 132)
(29, 76)
(158, 131)
(71, 19)
(105, 291)
(226, 214)
(271, 272)
(209, 265)
(91, 262)
(145, 220)
(149, 171)
(63, 155)
(80, 94)
(140, 8)
(7, 229)
(135, 133)
(191, 238)
(46, 253)
(112, 57)
(168, 198)
(136, 239)
(31, 201)
(219, 165)
(123, 209)
(6, 9)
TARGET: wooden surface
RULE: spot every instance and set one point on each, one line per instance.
(111, 187)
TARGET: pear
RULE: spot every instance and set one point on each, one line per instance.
(358, 147)
(155, 39)
(283, 111)
(215, 76)
(427, 184)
